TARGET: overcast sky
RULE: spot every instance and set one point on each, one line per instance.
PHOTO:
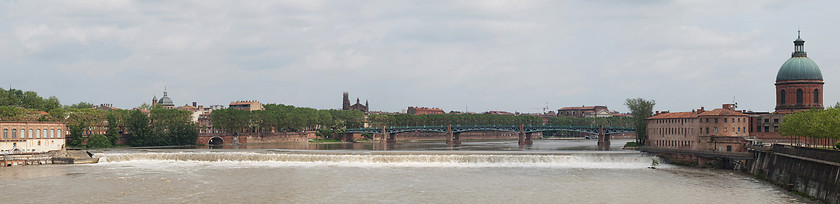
(455, 55)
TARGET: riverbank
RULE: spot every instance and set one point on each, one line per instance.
(52, 157)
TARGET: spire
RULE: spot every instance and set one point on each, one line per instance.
(799, 46)
(164, 91)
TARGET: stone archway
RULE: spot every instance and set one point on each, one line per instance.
(216, 141)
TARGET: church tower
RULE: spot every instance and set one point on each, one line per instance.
(799, 83)
(346, 105)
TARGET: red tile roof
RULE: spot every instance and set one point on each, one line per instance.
(675, 115)
(721, 111)
(578, 108)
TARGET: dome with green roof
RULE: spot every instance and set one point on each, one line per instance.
(799, 66)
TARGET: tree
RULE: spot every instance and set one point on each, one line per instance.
(814, 123)
(113, 128)
(75, 137)
(640, 109)
(230, 120)
(99, 141)
(137, 125)
(80, 105)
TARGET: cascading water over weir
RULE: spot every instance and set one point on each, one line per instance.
(408, 159)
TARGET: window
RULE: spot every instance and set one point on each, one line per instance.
(30, 133)
(716, 120)
(38, 133)
(728, 148)
(766, 128)
(707, 120)
(766, 120)
(775, 120)
(52, 133)
(45, 134)
(716, 131)
(22, 133)
(782, 97)
(14, 133)
(707, 130)
(5, 133)
(816, 96)
(58, 135)
(799, 96)
(724, 120)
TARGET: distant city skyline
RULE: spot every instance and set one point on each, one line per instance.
(514, 56)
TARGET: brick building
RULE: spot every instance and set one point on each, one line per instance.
(31, 137)
(583, 111)
(246, 105)
(358, 106)
(799, 86)
(723, 129)
(424, 111)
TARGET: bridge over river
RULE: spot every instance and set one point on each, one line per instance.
(388, 134)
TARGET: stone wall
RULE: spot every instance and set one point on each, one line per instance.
(810, 171)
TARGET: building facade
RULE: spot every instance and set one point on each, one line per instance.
(424, 111)
(799, 86)
(723, 129)
(358, 106)
(799, 83)
(31, 137)
(246, 105)
(164, 102)
(583, 111)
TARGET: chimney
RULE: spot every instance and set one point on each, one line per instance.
(195, 104)
(657, 113)
(729, 106)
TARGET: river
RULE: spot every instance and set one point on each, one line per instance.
(550, 171)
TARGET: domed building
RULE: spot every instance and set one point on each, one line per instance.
(799, 83)
(164, 102)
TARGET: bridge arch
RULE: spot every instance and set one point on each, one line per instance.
(216, 141)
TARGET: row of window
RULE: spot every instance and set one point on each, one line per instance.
(672, 143)
(726, 120)
(708, 120)
(33, 133)
(686, 131)
(799, 96)
(681, 120)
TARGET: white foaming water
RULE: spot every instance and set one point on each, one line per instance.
(246, 159)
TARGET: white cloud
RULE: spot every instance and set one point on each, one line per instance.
(510, 55)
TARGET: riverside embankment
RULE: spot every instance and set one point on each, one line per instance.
(809, 171)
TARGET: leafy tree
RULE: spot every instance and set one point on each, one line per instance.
(113, 129)
(640, 109)
(230, 120)
(99, 141)
(80, 105)
(76, 131)
(814, 123)
(137, 125)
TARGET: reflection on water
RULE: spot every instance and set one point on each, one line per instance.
(493, 145)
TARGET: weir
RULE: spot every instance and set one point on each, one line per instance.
(578, 160)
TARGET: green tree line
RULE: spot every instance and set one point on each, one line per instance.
(162, 127)
(814, 123)
(284, 118)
